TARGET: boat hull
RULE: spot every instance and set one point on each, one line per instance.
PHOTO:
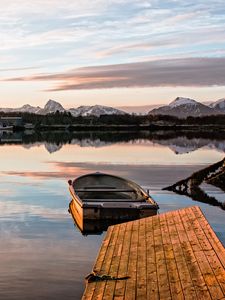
(114, 213)
(91, 220)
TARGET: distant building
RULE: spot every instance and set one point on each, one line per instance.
(11, 121)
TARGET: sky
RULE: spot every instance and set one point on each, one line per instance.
(111, 52)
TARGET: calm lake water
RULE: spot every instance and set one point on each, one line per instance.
(42, 254)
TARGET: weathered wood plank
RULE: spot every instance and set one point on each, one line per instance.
(90, 288)
(123, 266)
(215, 242)
(214, 261)
(100, 286)
(182, 264)
(141, 287)
(113, 271)
(173, 274)
(175, 255)
(130, 292)
(152, 279)
(198, 281)
(206, 270)
(162, 274)
(103, 249)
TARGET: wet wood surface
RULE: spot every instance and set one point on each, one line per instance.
(175, 255)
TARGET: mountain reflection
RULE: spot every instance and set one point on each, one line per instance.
(178, 142)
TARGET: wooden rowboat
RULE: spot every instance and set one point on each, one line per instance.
(99, 196)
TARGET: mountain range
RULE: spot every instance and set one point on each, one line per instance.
(184, 107)
(181, 107)
(52, 107)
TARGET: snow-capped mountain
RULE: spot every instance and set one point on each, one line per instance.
(219, 105)
(52, 107)
(184, 107)
(183, 101)
(95, 110)
(25, 108)
(30, 109)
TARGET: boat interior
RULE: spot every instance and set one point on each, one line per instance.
(102, 187)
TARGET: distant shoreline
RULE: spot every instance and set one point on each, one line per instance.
(117, 127)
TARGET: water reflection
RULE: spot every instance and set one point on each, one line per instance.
(199, 195)
(178, 142)
(192, 186)
(42, 254)
(93, 227)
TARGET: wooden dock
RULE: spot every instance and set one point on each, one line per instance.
(175, 255)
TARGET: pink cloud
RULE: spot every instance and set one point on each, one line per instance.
(195, 72)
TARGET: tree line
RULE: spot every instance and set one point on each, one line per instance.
(65, 118)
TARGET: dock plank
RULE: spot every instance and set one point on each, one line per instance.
(162, 274)
(123, 266)
(215, 242)
(213, 260)
(206, 269)
(173, 274)
(130, 292)
(113, 271)
(98, 287)
(175, 255)
(141, 262)
(192, 263)
(152, 280)
(181, 261)
(90, 288)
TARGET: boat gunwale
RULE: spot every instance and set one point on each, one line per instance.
(146, 197)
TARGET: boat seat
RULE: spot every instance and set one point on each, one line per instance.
(113, 200)
(105, 190)
(99, 187)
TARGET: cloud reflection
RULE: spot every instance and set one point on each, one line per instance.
(150, 175)
(21, 210)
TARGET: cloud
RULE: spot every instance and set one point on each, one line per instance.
(195, 72)
(18, 69)
(114, 31)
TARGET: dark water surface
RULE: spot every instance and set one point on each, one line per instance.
(42, 254)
